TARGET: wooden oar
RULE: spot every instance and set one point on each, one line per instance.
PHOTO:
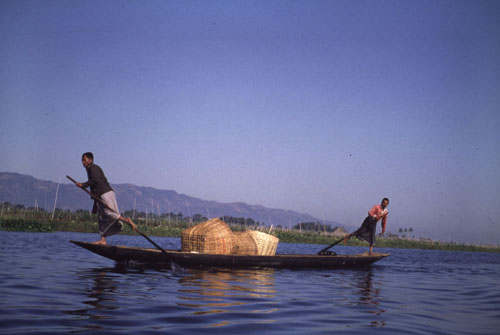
(105, 205)
(323, 251)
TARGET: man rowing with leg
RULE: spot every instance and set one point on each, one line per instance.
(367, 230)
(109, 220)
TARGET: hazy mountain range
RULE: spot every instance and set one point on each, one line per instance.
(28, 191)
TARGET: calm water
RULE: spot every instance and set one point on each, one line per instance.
(48, 285)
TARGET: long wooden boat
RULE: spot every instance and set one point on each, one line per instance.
(124, 254)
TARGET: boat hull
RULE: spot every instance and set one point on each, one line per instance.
(124, 254)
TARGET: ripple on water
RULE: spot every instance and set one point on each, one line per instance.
(66, 289)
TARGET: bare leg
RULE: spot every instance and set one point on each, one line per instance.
(101, 241)
(371, 250)
(129, 221)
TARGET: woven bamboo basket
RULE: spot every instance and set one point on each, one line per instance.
(266, 244)
(244, 243)
(210, 237)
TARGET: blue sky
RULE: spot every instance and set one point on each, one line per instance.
(322, 107)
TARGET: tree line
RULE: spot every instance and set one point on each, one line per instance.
(147, 218)
(314, 226)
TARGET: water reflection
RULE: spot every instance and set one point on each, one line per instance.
(101, 293)
(99, 299)
(48, 288)
(368, 292)
(212, 291)
(227, 297)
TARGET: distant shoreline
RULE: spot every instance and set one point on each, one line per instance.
(166, 229)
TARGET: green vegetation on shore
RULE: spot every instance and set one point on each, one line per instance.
(383, 242)
(18, 218)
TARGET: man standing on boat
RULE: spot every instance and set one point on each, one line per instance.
(367, 230)
(109, 221)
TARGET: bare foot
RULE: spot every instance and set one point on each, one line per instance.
(102, 241)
